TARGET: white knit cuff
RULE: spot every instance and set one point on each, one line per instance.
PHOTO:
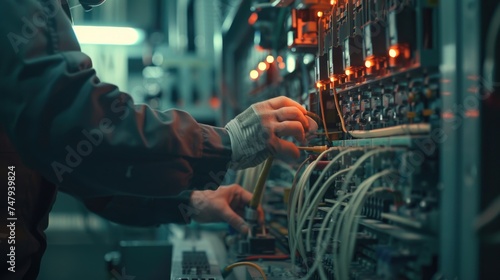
(248, 140)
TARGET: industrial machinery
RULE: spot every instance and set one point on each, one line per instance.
(406, 92)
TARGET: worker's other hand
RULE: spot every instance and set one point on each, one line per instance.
(226, 204)
(255, 133)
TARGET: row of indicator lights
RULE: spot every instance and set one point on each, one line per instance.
(332, 2)
(263, 65)
(393, 52)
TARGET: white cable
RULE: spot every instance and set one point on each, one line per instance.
(302, 217)
(339, 242)
(336, 224)
(294, 183)
(327, 168)
(291, 211)
(311, 211)
(338, 239)
(290, 202)
(349, 232)
(297, 203)
(347, 180)
(360, 161)
(303, 184)
(294, 234)
(322, 249)
(296, 206)
(347, 226)
(307, 209)
(342, 223)
(418, 128)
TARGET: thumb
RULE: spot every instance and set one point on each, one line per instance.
(234, 220)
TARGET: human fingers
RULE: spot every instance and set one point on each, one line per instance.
(292, 114)
(234, 220)
(282, 101)
(313, 125)
(245, 196)
(290, 128)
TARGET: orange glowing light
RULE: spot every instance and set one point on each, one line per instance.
(332, 2)
(270, 59)
(254, 74)
(348, 72)
(252, 19)
(214, 102)
(319, 84)
(262, 66)
(320, 14)
(332, 79)
(279, 59)
(393, 52)
(368, 64)
(281, 65)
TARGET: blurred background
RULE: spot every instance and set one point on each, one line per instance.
(169, 56)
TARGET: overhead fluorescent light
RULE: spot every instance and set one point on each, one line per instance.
(108, 35)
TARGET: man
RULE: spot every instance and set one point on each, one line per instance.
(62, 129)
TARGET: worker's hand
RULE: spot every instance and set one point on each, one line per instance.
(226, 204)
(255, 133)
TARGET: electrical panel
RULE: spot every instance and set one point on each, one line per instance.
(376, 204)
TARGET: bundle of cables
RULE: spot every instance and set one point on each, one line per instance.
(303, 207)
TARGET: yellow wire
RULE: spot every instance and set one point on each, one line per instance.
(231, 266)
(261, 183)
(314, 149)
(313, 116)
(323, 114)
(337, 105)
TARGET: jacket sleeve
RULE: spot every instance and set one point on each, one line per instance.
(86, 136)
